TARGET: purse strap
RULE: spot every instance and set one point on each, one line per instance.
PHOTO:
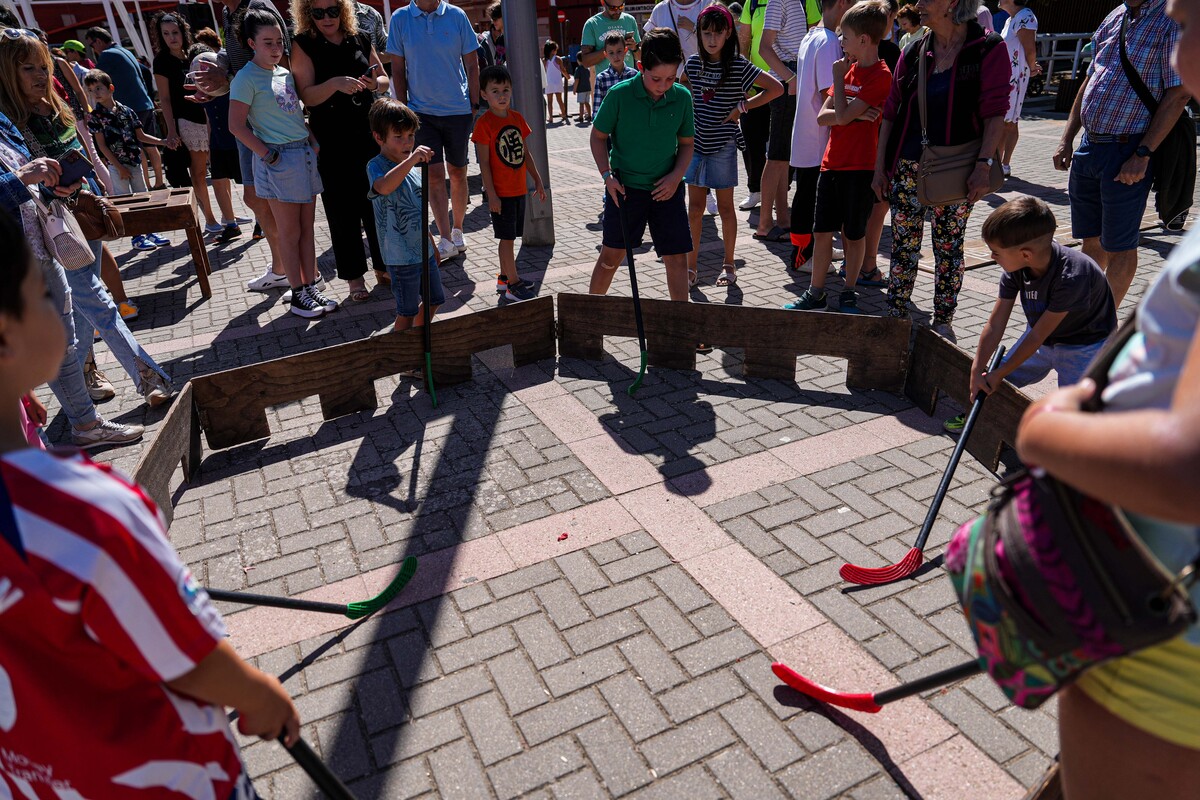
(1102, 363)
(1131, 74)
(922, 58)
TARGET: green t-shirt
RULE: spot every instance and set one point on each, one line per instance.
(597, 27)
(755, 20)
(644, 135)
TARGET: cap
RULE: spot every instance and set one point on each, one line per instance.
(74, 44)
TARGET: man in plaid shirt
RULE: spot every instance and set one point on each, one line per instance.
(1111, 171)
(614, 50)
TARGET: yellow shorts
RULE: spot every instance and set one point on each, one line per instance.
(1156, 690)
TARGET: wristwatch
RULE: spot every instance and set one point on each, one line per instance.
(988, 161)
(1143, 151)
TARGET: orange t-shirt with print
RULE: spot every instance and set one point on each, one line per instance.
(505, 139)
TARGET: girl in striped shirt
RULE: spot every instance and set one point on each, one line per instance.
(720, 79)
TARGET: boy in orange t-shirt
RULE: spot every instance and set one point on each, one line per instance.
(500, 135)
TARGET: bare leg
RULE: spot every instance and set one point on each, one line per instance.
(288, 230)
(1011, 134)
(458, 194)
(775, 209)
(729, 223)
(223, 190)
(156, 162)
(1122, 267)
(200, 184)
(112, 276)
(1105, 758)
(606, 267)
(822, 258)
(266, 220)
(438, 200)
(855, 250)
(307, 245)
(508, 260)
(677, 278)
(1092, 249)
(696, 197)
(870, 257)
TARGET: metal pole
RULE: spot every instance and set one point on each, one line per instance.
(521, 40)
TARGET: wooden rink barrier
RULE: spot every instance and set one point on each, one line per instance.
(230, 406)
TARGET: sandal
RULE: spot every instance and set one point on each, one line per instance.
(359, 296)
(728, 275)
(874, 278)
(776, 234)
(693, 278)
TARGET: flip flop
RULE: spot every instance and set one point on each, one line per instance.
(776, 234)
(360, 296)
(728, 276)
(865, 281)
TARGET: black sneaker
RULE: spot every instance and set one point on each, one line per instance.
(258, 233)
(521, 290)
(809, 301)
(848, 302)
(328, 303)
(229, 232)
(303, 305)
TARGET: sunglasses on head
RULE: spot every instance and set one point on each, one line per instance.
(17, 33)
(333, 12)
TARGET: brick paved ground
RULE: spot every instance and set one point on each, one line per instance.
(706, 520)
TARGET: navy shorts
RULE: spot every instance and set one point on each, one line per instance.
(1100, 205)
(447, 137)
(406, 287)
(225, 164)
(668, 221)
(510, 222)
(844, 202)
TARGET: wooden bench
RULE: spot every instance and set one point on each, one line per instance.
(168, 210)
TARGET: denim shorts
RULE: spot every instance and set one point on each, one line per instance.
(291, 179)
(1069, 362)
(510, 222)
(668, 221)
(1100, 205)
(406, 287)
(716, 171)
(245, 164)
(447, 137)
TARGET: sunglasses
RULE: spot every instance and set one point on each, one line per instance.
(615, 6)
(17, 33)
(333, 12)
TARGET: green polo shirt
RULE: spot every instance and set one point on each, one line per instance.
(645, 135)
(754, 14)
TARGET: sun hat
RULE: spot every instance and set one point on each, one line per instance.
(74, 44)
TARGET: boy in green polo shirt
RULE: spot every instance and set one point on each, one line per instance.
(649, 121)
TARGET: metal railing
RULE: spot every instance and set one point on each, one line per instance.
(1056, 47)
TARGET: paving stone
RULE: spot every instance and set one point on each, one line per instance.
(561, 716)
(1037, 727)
(882, 788)
(979, 725)
(716, 651)
(693, 784)
(523, 579)
(742, 777)
(534, 768)
(457, 773)
(921, 636)
(755, 672)
(687, 743)
(416, 737)
(1029, 768)
(581, 572)
(500, 612)
(633, 705)
(711, 621)
(580, 786)
(671, 628)
(700, 696)
(517, 682)
(615, 598)
(782, 514)
(491, 729)
(653, 664)
(448, 691)
(541, 642)
(476, 649)
(830, 772)
(583, 671)
(815, 731)
(614, 757)
(379, 700)
(761, 732)
(562, 604)
(598, 633)
(803, 544)
(632, 566)
(606, 552)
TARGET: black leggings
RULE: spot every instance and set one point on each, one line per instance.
(349, 212)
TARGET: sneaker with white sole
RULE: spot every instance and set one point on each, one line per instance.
(518, 291)
(501, 283)
(267, 281)
(456, 239)
(105, 432)
(446, 249)
(155, 389)
(710, 204)
(752, 201)
(946, 331)
(241, 220)
(158, 239)
(839, 254)
(287, 296)
(99, 387)
(303, 305)
(144, 244)
(328, 303)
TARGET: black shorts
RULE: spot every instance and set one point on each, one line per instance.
(149, 120)
(844, 202)
(225, 164)
(510, 222)
(447, 137)
(668, 221)
(783, 115)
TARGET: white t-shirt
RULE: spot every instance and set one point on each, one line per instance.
(814, 74)
(668, 14)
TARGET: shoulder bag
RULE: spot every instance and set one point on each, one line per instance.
(62, 234)
(98, 217)
(1173, 195)
(1053, 582)
(943, 170)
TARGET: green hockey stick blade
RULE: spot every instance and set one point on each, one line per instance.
(637, 383)
(429, 378)
(367, 607)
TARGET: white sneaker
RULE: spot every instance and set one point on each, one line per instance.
(155, 389)
(839, 254)
(710, 204)
(106, 432)
(446, 249)
(267, 281)
(752, 201)
(456, 239)
(99, 387)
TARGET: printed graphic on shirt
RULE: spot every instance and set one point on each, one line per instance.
(510, 146)
(285, 95)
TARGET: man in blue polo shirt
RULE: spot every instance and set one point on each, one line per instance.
(435, 72)
(126, 74)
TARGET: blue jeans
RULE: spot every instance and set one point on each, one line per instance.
(94, 309)
(68, 386)
(1069, 362)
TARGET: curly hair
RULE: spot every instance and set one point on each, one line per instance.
(208, 37)
(167, 17)
(301, 13)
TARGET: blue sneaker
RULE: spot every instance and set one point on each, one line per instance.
(160, 241)
(809, 301)
(848, 302)
(142, 243)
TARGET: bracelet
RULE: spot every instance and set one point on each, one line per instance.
(604, 176)
(741, 107)
(788, 80)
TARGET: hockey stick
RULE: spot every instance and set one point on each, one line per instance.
(872, 703)
(356, 610)
(427, 334)
(318, 770)
(874, 576)
(637, 300)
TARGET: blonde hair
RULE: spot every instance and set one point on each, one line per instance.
(304, 22)
(14, 53)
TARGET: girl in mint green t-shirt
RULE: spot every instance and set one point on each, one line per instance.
(266, 116)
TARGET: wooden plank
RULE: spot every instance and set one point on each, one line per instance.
(232, 404)
(939, 366)
(178, 441)
(876, 348)
(168, 210)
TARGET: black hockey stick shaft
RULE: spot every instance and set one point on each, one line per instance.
(318, 770)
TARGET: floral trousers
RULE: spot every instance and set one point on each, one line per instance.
(908, 228)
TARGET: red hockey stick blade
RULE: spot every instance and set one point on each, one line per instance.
(855, 702)
(873, 576)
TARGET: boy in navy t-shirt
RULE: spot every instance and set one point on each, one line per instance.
(1069, 308)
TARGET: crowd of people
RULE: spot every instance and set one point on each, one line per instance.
(813, 93)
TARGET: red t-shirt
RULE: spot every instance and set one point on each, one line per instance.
(96, 614)
(853, 146)
(505, 138)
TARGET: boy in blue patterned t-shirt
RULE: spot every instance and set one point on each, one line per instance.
(396, 195)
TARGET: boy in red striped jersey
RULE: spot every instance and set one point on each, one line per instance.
(114, 670)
